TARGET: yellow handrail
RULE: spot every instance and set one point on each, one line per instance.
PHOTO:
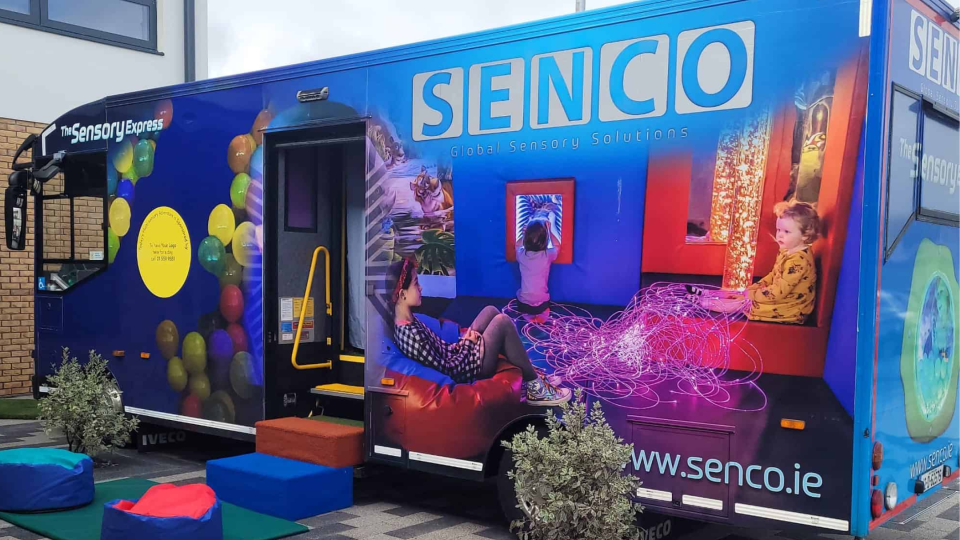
(303, 309)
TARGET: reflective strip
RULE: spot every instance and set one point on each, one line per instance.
(792, 517)
(448, 462)
(654, 494)
(387, 451)
(191, 420)
(866, 13)
(702, 502)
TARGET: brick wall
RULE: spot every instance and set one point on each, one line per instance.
(16, 276)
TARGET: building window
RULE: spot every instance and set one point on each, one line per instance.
(124, 23)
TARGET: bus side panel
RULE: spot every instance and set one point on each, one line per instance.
(466, 143)
(178, 311)
(916, 415)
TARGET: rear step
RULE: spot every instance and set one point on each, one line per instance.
(339, 390)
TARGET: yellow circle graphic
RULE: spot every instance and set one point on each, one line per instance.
(163, 252)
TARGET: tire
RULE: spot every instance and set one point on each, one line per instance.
(505, 490)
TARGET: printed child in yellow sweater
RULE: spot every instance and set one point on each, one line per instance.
(788, 293)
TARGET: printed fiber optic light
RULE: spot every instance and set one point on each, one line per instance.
(662, 336)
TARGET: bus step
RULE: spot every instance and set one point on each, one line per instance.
(339, 390)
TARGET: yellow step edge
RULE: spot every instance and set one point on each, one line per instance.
(339, 388)
(351, 358)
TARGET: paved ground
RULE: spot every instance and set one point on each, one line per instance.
(396, 504)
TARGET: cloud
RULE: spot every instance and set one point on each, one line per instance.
(248, 35)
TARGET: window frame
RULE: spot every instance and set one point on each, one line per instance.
(925, 214)
(32, 18)
(888, 249)
(39, 260)
(918, 212)
(314, 226)
(39, 20)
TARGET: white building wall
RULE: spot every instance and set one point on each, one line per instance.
(44, 75)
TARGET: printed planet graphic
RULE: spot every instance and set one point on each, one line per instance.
(132, 160)
(928, 362)
(213, 367)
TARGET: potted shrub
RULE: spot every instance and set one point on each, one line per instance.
(84, 404)
(571, 483)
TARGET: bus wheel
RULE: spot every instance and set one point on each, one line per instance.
(112, 396)
(505, 490)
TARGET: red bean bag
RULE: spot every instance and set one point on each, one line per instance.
(165, 512)
(455, 420)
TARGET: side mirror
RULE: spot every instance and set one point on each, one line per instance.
(15, 217)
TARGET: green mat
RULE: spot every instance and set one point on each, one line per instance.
(84, 523)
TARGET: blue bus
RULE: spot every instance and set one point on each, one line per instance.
(234, 247)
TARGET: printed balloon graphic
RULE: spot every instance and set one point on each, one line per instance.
(238, 190)
(211, 254)
(168, 339)
(143, 158)
(239, 152)
(256, 164)
(208, 322)
(200, 386)
(113, 179)
(238, 336)
(231, 303)
(164, 111)
(241, 375)
(191, 406)
(176, 374)
(120, 216)
(131, 175)
(221, 223)
(259, 124)
(123, 158)
(244, 244)
(194, 353)
(113, 245)
(220, 347)
(232, 273)
(220, 408)
(125, 191)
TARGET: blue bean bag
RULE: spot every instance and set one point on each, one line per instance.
(44, 479)
(396, 361)
(165, 512)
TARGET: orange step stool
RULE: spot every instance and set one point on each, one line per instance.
(312, 441)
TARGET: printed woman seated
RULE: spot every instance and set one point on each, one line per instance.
(475, 355)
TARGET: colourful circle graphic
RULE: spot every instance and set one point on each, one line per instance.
(163, 251)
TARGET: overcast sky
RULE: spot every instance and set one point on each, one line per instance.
(247, 35)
